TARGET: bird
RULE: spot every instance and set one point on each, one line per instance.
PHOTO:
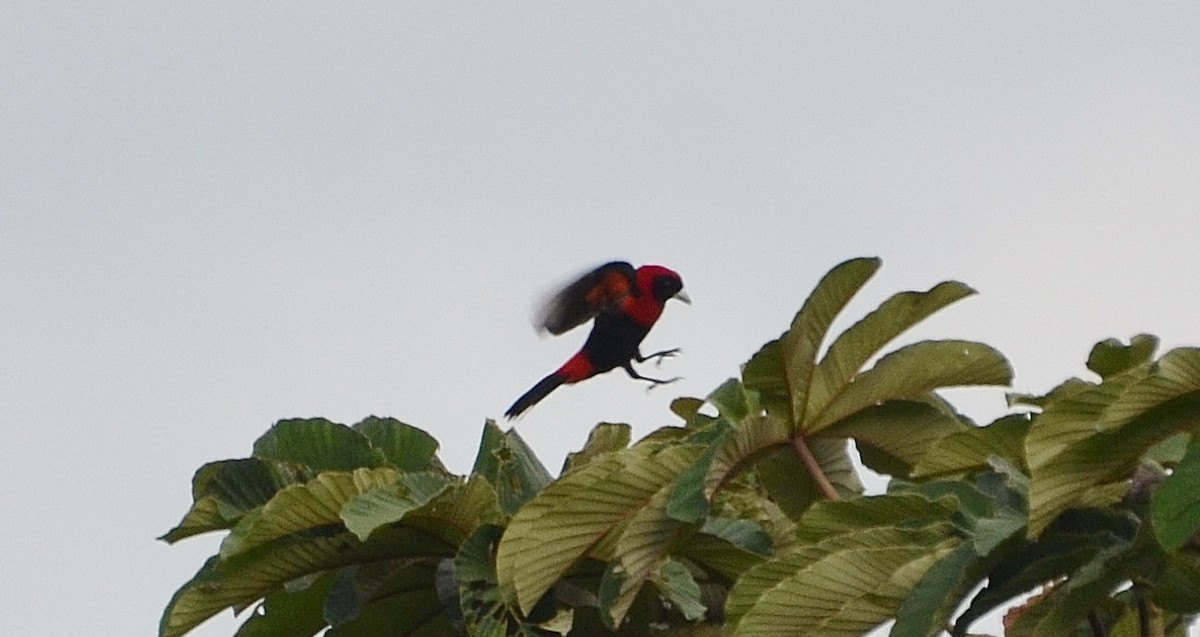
(624, 303)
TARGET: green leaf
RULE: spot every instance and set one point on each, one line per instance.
(855, 346)
(405, 447)
(832, 518)
(289, 613)
(843, 585)
(245, 577)
(803, 339)
(645, 544)
(1122, 429)
(1067, 604)
(969, 449)
(686, 407)
(312, 508)
(605, 437)
(404, 605)
(789, 483)
(747, 444)
(1175, 505)
(744, 534)
(225, 491)
(782, 370)
(1074, 540)
(455, 513)
(912, 371)
(894, 436)
(676, 583)
(928, 608)
(389, 502)
(765, 374)
(510, 466)
(1177, 587)
(731, 401)
(569, 517)
(484, 611)
(317, 444)
(1111, 357)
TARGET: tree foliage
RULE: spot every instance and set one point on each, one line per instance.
(746, 518)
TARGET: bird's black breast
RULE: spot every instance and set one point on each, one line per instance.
(614, 341)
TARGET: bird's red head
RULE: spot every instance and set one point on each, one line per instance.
(656, 285)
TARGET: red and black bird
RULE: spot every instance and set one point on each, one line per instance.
(625, 304)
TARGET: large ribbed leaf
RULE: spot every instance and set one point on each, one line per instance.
(317, 444)
(390, 501)
(224, 491)
(831, 518)
(484, 611)
(454, 513)
(1151, 409)
(928, 607)
(969, 450)
(643, 548)
(783, 369)
(569, 517)
(314, 506)
(749, 442)
(863, 340)
(506, 460)
(892, 437)
(405, 447)
(793, 487)
(841, 586)
(913, 371)
(801, 343)
(241, 579)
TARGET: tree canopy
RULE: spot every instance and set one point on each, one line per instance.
(747, 517)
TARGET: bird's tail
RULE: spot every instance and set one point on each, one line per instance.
(535, 394)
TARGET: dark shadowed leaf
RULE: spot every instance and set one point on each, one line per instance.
(1175, 505)
(289, 613)
(224, 491)
(791, 486)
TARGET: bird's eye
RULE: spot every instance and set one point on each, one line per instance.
(665, 287)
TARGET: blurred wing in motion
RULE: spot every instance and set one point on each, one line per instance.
(606, 289)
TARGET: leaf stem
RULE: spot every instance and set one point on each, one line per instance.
(1150, 618)
(814, 468)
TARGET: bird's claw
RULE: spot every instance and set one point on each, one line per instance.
(659, 356)
(655, 382)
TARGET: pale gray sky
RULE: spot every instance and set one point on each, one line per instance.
(215, 215)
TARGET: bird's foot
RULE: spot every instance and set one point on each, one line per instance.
(659, 356)
(655, 382)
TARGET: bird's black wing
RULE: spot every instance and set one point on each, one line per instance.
(604, 289)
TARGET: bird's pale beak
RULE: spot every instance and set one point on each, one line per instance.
(682, 296)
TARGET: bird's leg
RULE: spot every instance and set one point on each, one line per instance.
(658, 356)
(654, 382)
